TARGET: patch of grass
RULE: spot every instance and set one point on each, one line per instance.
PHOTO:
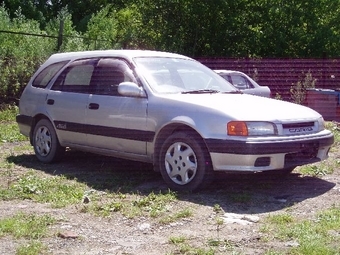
(177, 239)
(8, 113)
(154, 204)
(134, 205)
(56, 190)
(24, 147)
(271, 252)
(7, 171)
(313, 236)
(329, 166)
(217, 208)
(187, 249)
(104, 209)
(32, 248)
(10, 133)
(335, 128)
(211, 247)
(280, 219)
(186, 213)
(8, 126)
(226, 245)
(27, 226)
(320, 169)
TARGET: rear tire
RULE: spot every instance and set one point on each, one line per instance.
(184, 162)
(45, 142)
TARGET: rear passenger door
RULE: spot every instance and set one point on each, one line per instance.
(68, 99)
(117, 123)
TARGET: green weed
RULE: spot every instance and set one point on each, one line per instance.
(186, 213)
(10, 133)
(315, 170)
(335, 128)
(32, 248)
(154, 204)
(280, 219)
(177, 239)
(56, 190)
(313, 236)
(8, 126)
(105, 209)
(27, 226)
(8, 113)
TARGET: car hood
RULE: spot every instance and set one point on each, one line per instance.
(246, 107)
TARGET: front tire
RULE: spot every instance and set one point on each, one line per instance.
(184, 162)
(45, 142)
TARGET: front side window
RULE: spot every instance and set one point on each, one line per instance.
(108, 75)
(240, 82)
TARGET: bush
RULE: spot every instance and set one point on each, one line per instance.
(298, 91)
(19, 55)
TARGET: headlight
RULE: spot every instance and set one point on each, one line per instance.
(251, 128)
(321, 123)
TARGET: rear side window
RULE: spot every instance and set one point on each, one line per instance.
(46, 75)
(76, 77)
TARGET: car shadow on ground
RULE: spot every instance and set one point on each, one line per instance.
(236, 193)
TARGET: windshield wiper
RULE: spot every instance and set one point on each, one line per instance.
(201, 91)
(234, 92)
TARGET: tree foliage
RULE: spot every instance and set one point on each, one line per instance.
(19, 55)
(238, 28)
(222, 28)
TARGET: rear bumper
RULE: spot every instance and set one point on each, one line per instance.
(256, 156)
(25, 124)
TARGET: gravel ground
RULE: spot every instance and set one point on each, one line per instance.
(245, 201)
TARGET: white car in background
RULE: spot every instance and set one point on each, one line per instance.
(244, 83)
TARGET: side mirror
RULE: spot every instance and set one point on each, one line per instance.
(130, 89)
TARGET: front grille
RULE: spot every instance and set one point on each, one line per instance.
(298, 125)
(299, 128)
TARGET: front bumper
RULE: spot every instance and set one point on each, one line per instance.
(231, 155)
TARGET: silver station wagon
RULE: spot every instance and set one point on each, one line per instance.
(165, 109)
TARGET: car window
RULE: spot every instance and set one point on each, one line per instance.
(240, 82)
(76, 77)
(46, 75)
(108, 74)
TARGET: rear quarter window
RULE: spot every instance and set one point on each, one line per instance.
(46, 75)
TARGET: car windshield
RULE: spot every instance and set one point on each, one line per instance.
(176, 75)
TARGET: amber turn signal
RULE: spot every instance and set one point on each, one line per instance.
(237, 128)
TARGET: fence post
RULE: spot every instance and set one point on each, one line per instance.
(60, 35)
(324, 58)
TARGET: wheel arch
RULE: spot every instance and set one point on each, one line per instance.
(170, 129)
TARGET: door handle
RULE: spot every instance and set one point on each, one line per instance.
(93, 106)
(50, 101)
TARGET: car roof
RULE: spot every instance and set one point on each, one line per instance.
(127, 54)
